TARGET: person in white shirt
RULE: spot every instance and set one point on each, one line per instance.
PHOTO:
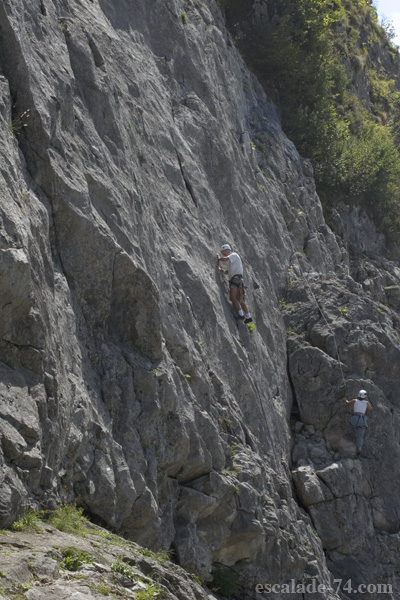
(234, 271)
(358, 420)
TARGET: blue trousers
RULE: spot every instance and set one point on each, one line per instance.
(358, 424)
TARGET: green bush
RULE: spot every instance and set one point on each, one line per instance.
(371, 164)
(299, 49)
(119, 566)
(69, 519)
(293, 53)
(74, 558)
(152, 591)
(225, 581)
(30, 521)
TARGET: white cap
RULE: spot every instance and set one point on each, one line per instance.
(225, 247)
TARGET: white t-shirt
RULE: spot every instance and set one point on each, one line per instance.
(235, 266)
(360, 406)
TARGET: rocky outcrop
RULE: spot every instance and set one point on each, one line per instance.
(344, 336)
(86, 563)
(134, 141)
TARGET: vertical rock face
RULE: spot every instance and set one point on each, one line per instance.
(133, 143)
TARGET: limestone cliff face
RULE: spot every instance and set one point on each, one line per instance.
(126, 385)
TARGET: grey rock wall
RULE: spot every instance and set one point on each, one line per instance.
(343, 337)
(126, 385)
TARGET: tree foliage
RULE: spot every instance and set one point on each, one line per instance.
(309, 51)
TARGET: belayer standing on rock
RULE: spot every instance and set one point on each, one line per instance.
(236, 285)
(358, 420)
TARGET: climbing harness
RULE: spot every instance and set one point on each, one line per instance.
(237, 282)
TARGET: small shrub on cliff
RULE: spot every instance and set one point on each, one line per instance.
(18, 123)
(74, 558)
(101, 588)
(161, 556)
(69, 519)
(119, 566)
(152, 591)
(196, 579)
(28, 522)
(225, 581)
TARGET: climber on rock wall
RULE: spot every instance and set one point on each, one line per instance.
(358, 420)
(236, 284)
